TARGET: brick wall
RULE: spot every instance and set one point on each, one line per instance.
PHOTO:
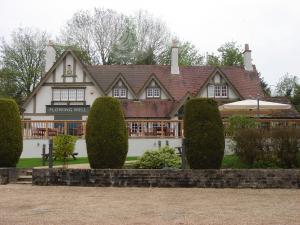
(254, 178)
(8, 175)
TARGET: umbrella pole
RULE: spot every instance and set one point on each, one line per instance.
(258, 108)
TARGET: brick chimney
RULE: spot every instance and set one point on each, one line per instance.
(247, 58)
(50, 56)
(174, 59)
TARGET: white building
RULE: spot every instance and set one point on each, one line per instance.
(147, 92)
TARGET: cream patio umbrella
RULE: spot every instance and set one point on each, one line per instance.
(250, 104)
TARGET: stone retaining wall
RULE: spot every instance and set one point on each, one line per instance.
(8, 175)
(254, 178)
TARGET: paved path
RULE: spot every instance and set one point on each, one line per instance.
(25, 204)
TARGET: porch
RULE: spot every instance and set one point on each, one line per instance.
(45, 129)
(157, 129)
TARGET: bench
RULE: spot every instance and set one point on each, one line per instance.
(46, 156)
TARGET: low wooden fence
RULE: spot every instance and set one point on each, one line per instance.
(44, 129)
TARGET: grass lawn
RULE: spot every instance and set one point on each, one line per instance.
(35, 162)
(229, 162)
(232, 162)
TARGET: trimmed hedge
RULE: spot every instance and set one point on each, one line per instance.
(11, 141)
(204, 134)
(106, 134)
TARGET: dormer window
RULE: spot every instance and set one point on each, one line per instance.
(153, 92)
(217, 91)
(120, 91)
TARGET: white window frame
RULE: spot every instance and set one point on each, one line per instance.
(153, 92)
(63, 94)
(211, 91)
(217, 91)
(149, 92)
(156, 92)
(224, 91)
(80, 94)
(116, 92)
(72, 94)
(56, 94)
(123, 92)
(120, 92)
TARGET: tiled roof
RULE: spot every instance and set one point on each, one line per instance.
(287, 113)
(147, 108)
(191, 78)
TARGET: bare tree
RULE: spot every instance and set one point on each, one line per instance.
(94, 33)
(104, 33)
(79, 32)
(152, 34)
(24, 55)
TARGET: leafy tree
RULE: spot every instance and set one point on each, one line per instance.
(286, 85)
(146, 58)
(25, 56)
(230, 54)
(238, 122)
(203, 129)
(213, 60)
(188, 55)
(296, 97)
(95, 33)
(264, 85)
(80, 53)
(10, 133)
(124, 50)
(8, 85)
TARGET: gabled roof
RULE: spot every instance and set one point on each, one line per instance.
(191, 78)
(224, 76)
(49, 73)
(120, 77)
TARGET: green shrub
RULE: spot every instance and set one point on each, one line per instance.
(165, 157)
(249, 145)
(106, 134)
(11, 142)
(285, 143)
(237, 122)
(203, 129)
(275, 148)
(63, 146)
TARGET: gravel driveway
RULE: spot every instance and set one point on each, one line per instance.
(25, 204)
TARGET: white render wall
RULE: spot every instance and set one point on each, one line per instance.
(32, 148)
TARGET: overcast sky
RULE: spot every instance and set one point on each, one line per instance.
(271, 27)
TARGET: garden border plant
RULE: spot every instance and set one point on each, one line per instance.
(11, 141)
(106, 134)
(204, 134)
